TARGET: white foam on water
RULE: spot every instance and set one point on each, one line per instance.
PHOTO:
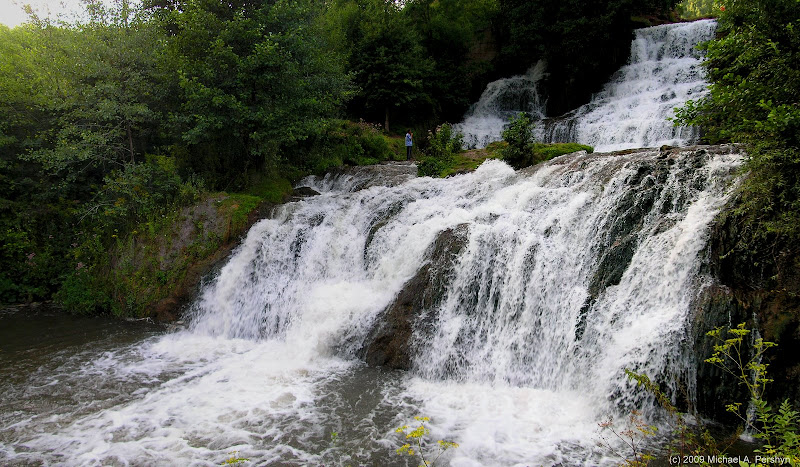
(498, 425)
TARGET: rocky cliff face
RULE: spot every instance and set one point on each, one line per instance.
(760, 287)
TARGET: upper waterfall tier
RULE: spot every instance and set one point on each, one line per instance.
(501, 100)
(633, 109)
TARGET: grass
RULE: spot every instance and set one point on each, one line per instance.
(269, 187)
(467, 161)
(545, 151)
(238, 206)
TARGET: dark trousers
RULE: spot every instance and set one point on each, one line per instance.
(408, 153)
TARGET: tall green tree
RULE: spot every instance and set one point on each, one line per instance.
(33, 214)
(698, 8)
(255, 76)
(108, 102)
(391, 68)
(449, 31)
(77, 102)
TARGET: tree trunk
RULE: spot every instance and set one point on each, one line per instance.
(386, 121)
(130, 141)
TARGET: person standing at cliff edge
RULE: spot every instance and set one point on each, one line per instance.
(409, 144)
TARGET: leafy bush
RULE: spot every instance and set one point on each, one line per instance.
(442, 146)
(30, 264)
(134, 193)
(520, 150)
(443, 143)
(342, 142)
(82, 293)
(519, 137)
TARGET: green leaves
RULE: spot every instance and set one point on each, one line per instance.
(754, 99)
(254, 77)
(417, 436)
(519, 136)
(777, 431)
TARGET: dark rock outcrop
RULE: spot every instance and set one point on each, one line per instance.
(717, 307)
(623, 226)
(304, 192)
(757, 284)
(388, 343)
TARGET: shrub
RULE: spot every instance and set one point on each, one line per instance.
(135, 193)
(777, 430)
(519, 137)
(442, 146)
(82, 293)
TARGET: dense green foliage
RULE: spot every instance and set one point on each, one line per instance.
(169, 102)
(410, 63)
(248, 94)
(692, 9)
(519, 137)
(755, 99)
(520, 150)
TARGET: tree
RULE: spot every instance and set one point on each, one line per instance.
(255, 75)
(109, 108)
(78, 101)
(582, 42)
(449, 29)
(697, 8)
(390, 66)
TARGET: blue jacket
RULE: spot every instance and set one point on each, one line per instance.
(408, 140)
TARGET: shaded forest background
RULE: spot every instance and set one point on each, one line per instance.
(110, 125)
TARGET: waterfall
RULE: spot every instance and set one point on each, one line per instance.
(570, 272)
(545, 284)
(500, 101)
(632, 110)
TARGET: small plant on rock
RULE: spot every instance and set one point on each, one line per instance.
(443, 145)
(777, 430)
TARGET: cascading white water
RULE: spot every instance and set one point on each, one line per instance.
(500, 101)
(519, 363)
(632, 110)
